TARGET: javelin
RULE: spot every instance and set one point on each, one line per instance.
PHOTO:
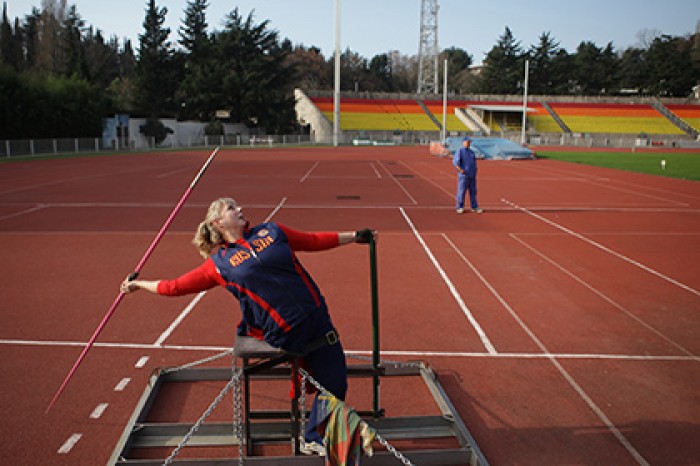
(133, 276)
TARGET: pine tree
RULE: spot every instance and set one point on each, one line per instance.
(256, 86)
(154, 74)
(594, 69)
(459, 79)
(193, 33)
(72, 54)
(503, 70)
(542, 79)
(199, 91)
(671, 68)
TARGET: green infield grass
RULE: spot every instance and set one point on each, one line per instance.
(682, 165)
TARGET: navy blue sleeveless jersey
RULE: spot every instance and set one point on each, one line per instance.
(275, 292)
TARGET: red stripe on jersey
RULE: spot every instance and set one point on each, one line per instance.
(265, 305)
(306, 280)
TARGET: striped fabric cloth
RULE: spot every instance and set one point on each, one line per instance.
(346, 434)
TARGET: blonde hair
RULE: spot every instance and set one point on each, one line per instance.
(207, 238)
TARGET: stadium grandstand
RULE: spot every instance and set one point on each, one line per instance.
(689, 113)
(417, 118)
(614, 118)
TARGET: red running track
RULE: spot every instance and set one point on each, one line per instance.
(564, 323)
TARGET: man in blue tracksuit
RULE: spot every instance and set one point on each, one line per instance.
(465, 162)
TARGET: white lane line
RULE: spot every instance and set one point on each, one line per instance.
(25, 211)
(403, 188)
(601, 415)
(637, 193)
(122, 384)
(450, 194)
(172, 172)
(308, 173)
(628, 207)
(455, 294)
(603, 248)
(141, 362)
(146, 346)
(163, 336)
(579, 390)
(616, 233)
(412, 353)
(376, 172)
(69, 444)
(274, 211)
(99, 410)
(563, 356)
(585, 177)
(603, 296)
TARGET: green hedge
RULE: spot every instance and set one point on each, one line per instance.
(35, 106)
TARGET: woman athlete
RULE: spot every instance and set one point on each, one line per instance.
(279, 300)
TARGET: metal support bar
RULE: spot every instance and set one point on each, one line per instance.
(446, 457)
(375, 325)
(446, 424)
(268, 358)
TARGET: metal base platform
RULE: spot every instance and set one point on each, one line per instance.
(404, 430)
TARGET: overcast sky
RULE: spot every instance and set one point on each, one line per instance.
(372, 27)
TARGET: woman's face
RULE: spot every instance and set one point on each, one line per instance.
(231, 218)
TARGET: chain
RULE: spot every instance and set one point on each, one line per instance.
(302, 405)
(237, 411)
(235, 381)
(197, 363)
(313, 381)
(390, 448)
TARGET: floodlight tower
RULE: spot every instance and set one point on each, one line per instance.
(428, 49)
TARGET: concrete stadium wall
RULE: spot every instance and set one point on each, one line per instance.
(309, 114)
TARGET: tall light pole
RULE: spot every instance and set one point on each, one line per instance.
(444, 106)
(336, 91)
(522, 131)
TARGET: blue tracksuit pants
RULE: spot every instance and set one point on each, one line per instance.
(465, 183)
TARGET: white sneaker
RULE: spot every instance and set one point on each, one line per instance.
(478, 210)
(312, 448)
(460, 211)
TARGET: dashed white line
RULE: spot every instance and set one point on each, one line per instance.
(122, 384)
(99, 410)
(141, 362)
(69, 444)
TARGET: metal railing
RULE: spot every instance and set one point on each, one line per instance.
(42, 147)
(48, 147)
